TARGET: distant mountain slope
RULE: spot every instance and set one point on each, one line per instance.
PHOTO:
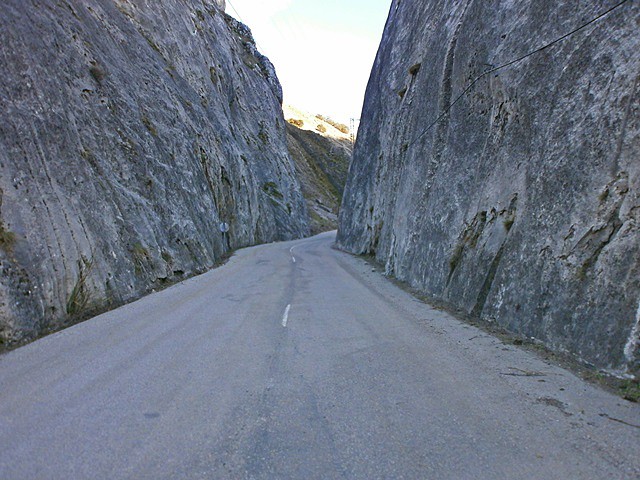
(321, 150)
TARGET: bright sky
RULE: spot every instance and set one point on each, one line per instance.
(323, 51)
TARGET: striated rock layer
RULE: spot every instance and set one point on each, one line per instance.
(521, 204)
(130, 130)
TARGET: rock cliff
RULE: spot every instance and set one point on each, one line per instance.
(321, 150)
(130, 130)
(517, 200)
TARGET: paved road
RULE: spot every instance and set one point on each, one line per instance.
(204, 380)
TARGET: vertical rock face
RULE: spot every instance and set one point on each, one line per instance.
(520, 204)
(130, 130)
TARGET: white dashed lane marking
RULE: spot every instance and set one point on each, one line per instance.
(285, 317)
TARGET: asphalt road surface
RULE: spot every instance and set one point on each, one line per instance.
(297, 361)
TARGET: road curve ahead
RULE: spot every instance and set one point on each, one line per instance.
(297, 361)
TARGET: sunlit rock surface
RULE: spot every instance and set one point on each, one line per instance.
(129, 131)
(521, 204)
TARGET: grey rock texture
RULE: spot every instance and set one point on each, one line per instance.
(322, 162)
(521, 205)
(130, 130)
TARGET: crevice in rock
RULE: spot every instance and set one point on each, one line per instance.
(483, 293)
(467, 239)
(587, 250)
(601, 237)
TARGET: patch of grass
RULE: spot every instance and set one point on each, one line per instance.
(97, 73)
(296, 122)
(320, 224)
(271, 189)
(147, 123)
(80, 296)
(630, 390)
(140, 257)
(213, 75)
(468, 238)
(604, 195)
(140, 250)
(166, 256)
(86, 154)
(508, 223)
(124, 11)
(581, 272)
(152, 44)
(202, 153)
(262, 134)
(7, 238)
(474, 231)
(321, 128)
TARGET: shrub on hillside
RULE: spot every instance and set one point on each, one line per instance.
(339, 126)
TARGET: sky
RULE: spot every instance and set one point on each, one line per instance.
(323, 51)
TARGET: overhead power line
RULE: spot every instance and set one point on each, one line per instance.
(241, 20)
(504, 65)
(234, 9)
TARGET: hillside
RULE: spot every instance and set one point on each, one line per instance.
(321, 152)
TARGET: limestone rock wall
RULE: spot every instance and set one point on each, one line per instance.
(130, 130)
(521, 205)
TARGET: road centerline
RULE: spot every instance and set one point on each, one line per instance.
(285, 317)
